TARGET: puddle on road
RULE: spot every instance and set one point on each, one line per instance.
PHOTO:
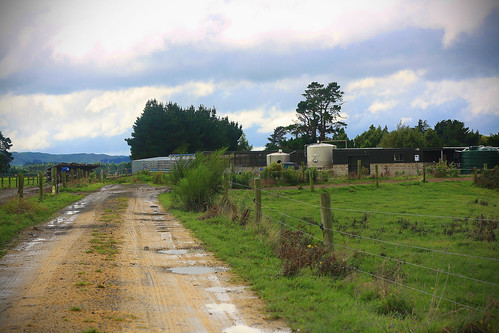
(196, 270)
(173, 251)
(181, 251)
(222, 307)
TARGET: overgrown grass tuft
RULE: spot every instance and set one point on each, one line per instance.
(196, 183)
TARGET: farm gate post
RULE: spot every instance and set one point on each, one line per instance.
(327, 220)
(359, 168)
(377, 173)
(258, 200)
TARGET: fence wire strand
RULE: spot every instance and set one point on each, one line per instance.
(387, 213)
(380, 277)
(386, 257)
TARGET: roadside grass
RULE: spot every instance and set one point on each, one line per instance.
(17, 215)
(82, 187)
(395, 213)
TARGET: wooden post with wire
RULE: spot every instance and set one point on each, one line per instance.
(40, 185)
(311, 178)
(327, 220)
(258, 200)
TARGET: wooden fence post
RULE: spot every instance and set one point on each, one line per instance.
(484, 166)
(475, 176)
(424, 174)
(327, 220)
(377, 174)
(258, 200)
(53, 174)
(40, 185)
(311, 178)
(225, 181)
(63, 175)
(20, 186)
(302, 171)
(359, 168)
(9, 181)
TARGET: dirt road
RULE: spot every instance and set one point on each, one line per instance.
(116, 261)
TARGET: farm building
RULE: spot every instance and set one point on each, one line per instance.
(158, 163)
(392, 160)
(70, 168)
(342, 161)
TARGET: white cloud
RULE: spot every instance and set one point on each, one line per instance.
(116, 34)
(38, 120)
(382, 106)
(266, 119)
(389, 86)
(481, 94)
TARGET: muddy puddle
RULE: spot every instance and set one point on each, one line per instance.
(197, 270)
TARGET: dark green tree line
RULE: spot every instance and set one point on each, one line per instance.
(163, 129)
(5, 155)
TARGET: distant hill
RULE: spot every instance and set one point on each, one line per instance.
(20, 159)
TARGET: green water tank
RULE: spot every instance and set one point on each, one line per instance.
(477, 156)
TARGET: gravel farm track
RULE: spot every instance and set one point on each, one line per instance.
(116, 261)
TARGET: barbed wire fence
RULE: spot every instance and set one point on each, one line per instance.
(264, 210)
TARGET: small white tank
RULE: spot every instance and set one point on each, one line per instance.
(277, 157)
(320, 155)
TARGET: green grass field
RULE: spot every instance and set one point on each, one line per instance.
(409, 256)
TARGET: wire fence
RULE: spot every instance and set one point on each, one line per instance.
(343, 242)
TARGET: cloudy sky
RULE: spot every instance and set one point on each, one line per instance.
(75, 75)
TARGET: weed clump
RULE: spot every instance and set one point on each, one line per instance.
(395, 305)
(21, 206)
(484, 229)
(297, 252)
(489, 178)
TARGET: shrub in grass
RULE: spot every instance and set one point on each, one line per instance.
(489, 178)
(442, 170)
(311, 171)
(201, 182)
(158, 178)
(243, 178)
(272, 172)
(291, 176)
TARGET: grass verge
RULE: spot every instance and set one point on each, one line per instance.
(17, 215)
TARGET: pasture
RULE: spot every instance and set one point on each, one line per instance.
(407, 256)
